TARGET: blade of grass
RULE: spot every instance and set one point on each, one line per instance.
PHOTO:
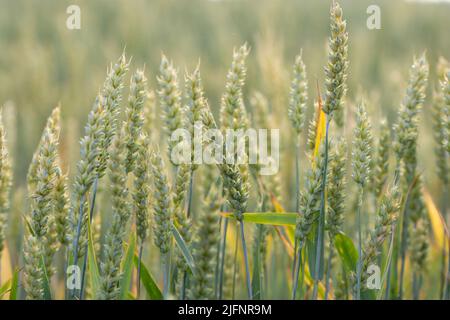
(92, 266)
(148, 281)
(269, 218)
(14, 285)
(5, 288)
(184, 249)
(127, 267)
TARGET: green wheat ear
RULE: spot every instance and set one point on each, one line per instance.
(5, 183)
(386, 218)
(134, 116)
(336, 69)
(232, 109)
(41, 239)
(446, 111)
(141, 191)
(361, 151)
(205, 245)
(162, 205)
(170, 100)
(336, 188)
(113, 247)
(298, 95)
(310, 198)
(381, 161)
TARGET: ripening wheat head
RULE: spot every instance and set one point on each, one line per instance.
(386, 218)
(41, 238)
(232, 109)
(408, 116)
(195, 107)
(361, 151)
(170, 99)
(162, 205)
(298, 96)
(134, 116)
(381, 161)
(5, 183)
(310, 198)
(336, 188)
(86, 174)
(142, 187)
(205, 245)
(112, 94)
(336, 69)
(113, 247)
(446, 111)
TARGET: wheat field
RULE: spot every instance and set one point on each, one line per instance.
(95, 206)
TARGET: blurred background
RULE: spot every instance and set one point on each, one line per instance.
(43, 63)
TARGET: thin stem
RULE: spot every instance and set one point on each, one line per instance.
(188, 214)
(328, 274)
(302, 258)
(216, 272)
(190, 195)
(222, 260)
(247, 266)
(294, 267)
(359, 265)
(77, 240)
(138, 280)
(295, 264)
(444, 272)
(320, 231)
(389, 265)
(235, 263)
(404, 239)
(166, 275)
(296, 271)
(91, 214)
(297, 175)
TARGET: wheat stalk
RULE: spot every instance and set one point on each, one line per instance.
(5, 183)
(113, 247)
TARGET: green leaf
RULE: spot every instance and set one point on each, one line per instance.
(14, 285)
(46, 281)
(270, 218)
(147, 280)
(94, 273)
(5, 288)
(184, 249)
(127, 267)
(347, 251)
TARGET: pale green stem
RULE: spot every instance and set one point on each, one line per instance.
(247, 266)
(320, 231)
(359, 265)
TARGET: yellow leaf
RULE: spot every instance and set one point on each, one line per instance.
(320, 132)
(6, 272)
(437, 221)
(320, 126)
(276, 204)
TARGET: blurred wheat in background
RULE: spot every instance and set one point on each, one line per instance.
(358, 208)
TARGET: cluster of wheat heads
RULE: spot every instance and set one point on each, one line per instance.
(182, 231)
